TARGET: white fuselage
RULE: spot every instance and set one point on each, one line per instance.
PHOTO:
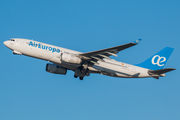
(52, 53)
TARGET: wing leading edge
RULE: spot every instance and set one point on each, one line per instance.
(94, 56)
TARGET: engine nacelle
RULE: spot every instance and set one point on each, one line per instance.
(69, 58)
(53, 68)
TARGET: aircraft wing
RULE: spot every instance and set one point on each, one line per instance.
(94, 56)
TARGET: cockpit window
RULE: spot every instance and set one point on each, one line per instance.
(12, 40)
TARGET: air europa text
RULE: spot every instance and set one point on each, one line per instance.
(40, 46)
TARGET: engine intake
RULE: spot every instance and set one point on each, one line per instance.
(53, 68)
(69, 58)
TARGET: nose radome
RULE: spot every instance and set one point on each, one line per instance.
(5, 43)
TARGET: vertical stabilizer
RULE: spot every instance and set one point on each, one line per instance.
(158, 60)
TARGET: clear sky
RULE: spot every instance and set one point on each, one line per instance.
(28, 92)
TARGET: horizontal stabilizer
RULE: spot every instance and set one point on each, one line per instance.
(161, 71)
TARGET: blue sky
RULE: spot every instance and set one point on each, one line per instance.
(28, 92)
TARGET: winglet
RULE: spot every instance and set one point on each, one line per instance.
(137, 41)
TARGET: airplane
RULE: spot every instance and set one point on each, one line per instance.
(83, 64)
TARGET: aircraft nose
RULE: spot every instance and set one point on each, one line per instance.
(5, 43)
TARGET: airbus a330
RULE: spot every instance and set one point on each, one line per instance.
(83, 64)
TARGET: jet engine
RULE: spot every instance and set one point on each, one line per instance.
(53, 68)
(69, 58)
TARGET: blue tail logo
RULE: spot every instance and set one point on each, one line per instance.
(158, 60)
